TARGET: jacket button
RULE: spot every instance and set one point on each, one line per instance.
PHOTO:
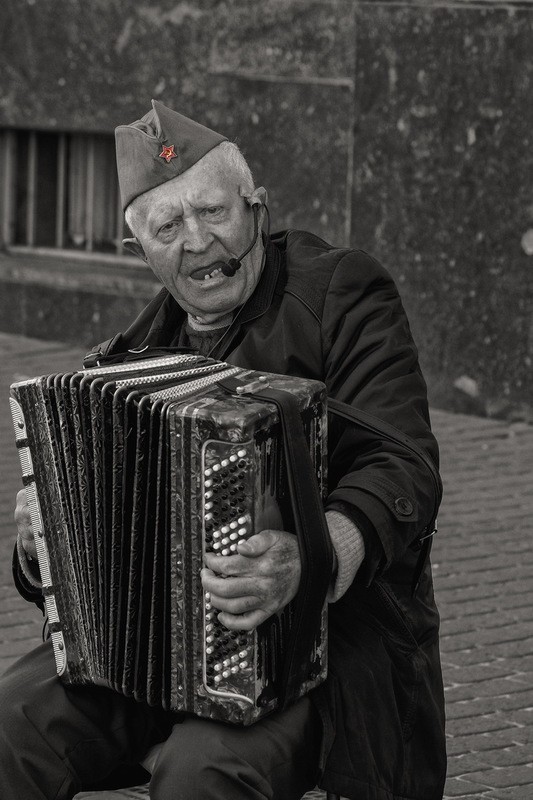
(403, 506)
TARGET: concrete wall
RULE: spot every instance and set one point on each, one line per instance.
(443, 187)
(403, 128)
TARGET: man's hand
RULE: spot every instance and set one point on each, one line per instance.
(23, 520)
(256, 582)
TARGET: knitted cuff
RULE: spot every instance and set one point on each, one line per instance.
(349, 549)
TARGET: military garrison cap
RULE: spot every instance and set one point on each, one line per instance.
(157, 148)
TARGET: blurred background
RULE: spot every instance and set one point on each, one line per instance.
(403, 128)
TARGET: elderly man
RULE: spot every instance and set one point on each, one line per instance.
(287, 303)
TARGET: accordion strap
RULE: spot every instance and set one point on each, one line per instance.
(313, 539)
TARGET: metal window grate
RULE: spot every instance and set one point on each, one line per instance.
(60, 190)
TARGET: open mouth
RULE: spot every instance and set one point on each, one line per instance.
(206, 273)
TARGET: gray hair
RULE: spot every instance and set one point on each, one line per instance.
(237, 162)
(234, 161)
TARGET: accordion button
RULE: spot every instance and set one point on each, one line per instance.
(243, 664)
(233, 458)
(233, 536)
(242, 521)
(208, 472)
(226, 673)
(225, 551)
(216, 467)
(243, 653)
(208, 494)
(207, 484)
(225, 529)
(241, 531)
(217, 678)
(224, 462)
(234, 670)
(208, 506)
(241, 453)
(217, 667)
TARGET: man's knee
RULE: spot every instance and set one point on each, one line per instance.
(195, 763)
(276, 757)
(12, 726)
(28, 766)
(55, 729)
(17, 687)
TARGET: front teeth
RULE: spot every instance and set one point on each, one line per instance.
(212, 274)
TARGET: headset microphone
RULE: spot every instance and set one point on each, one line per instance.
(230, 268)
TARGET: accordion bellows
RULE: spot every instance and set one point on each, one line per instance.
(132, 472)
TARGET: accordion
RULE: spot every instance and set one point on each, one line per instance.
(133, 471)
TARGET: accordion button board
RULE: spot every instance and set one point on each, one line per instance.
(134, 472)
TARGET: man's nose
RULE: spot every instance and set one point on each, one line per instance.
(197, 236)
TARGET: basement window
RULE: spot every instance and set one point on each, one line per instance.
(60, 190)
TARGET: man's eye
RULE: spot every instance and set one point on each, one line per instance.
(169, 226)
(211, 211)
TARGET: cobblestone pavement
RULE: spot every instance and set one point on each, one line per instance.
(483, 573)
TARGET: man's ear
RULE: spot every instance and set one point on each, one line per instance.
(135, 247)
(258, 197)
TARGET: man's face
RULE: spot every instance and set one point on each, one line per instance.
(188, 224)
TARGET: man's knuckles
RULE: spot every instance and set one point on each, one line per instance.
(227, 587)
(259, 544)
(227, 565)
(236, 605)
(240, 622)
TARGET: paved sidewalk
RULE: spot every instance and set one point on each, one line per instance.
(483, 572)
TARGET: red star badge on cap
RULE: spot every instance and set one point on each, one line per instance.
(168, 153)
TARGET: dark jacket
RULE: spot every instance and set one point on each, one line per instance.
(335, 315)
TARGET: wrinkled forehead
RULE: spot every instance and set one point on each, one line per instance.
(209, 182)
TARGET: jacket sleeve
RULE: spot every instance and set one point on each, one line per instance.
(371, 363)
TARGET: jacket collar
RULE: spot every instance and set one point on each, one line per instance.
(263, 294)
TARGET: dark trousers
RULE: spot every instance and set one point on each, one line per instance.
(56, 741)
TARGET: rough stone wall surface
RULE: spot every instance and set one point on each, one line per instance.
(401, 127)
(443, 167)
